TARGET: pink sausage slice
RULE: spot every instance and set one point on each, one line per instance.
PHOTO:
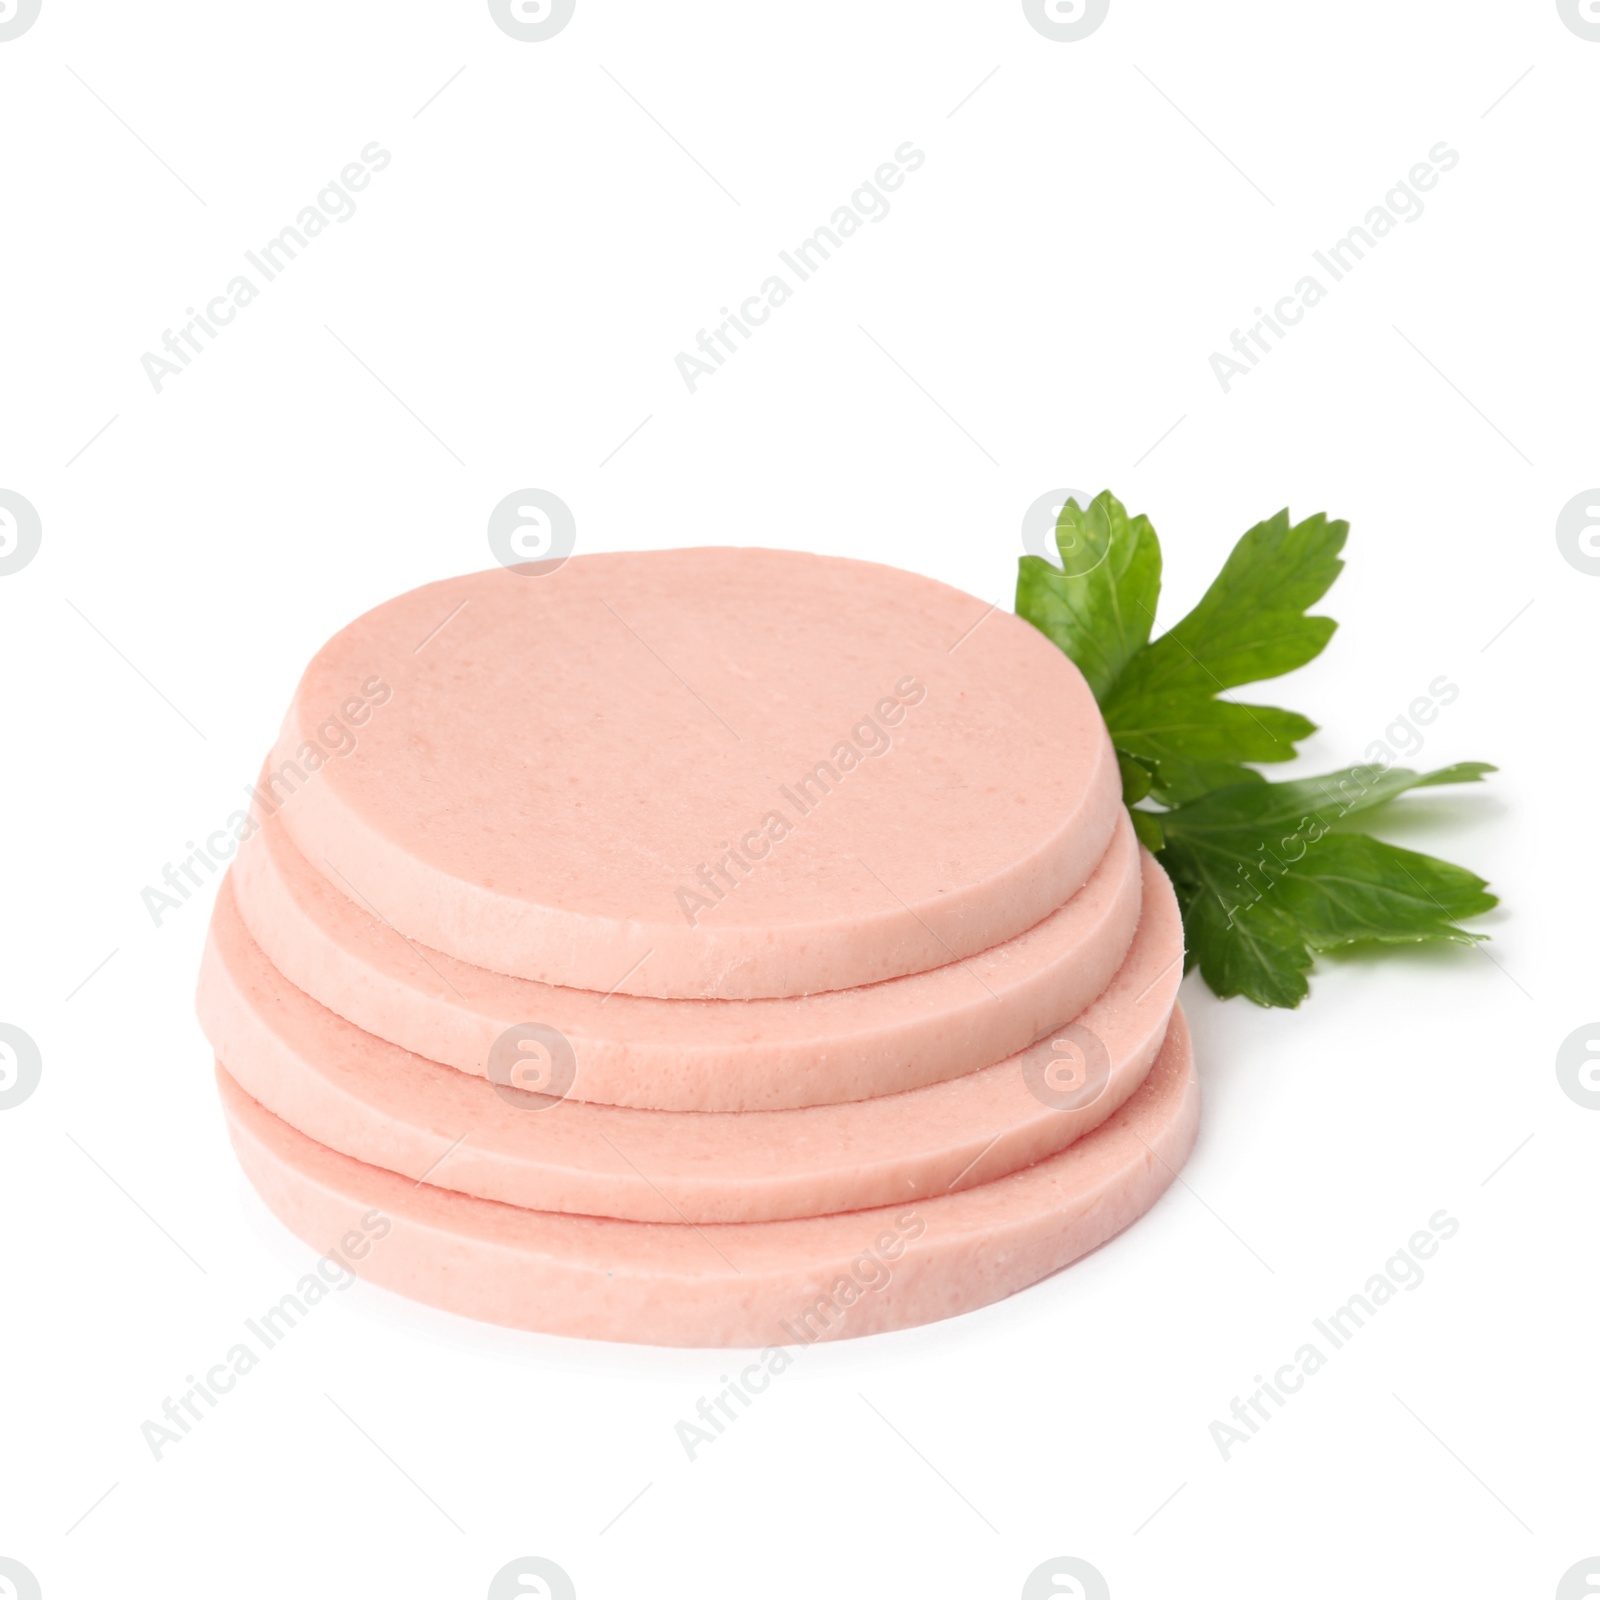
(713, 773)
(695, 1055)
(748, 1284)
(383, 1106)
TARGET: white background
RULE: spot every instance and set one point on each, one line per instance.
(1037, 310)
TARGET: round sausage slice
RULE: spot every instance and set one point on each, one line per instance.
(752, 1284)
(381, 1105)
(694, 1055)
(698, 774)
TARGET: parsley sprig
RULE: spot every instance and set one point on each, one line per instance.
(1268, 874)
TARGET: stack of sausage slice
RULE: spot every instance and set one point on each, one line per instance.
(701, 947)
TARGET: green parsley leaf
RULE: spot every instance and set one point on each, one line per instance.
(1250, 624)
(1160, 699)
(1266, 878)
(1327, 799)
(1147, 829)
(1197, 743)
(1137, 777)
(1268, 874)
(1100, 603)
